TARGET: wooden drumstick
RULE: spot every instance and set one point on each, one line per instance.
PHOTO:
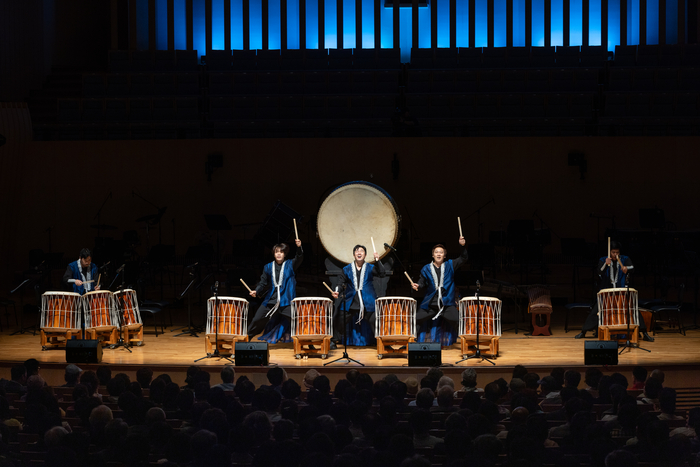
(246, 285)
(608, 247)
(459, 223)
(373, 247)
(409, 278)
(329, 289)
(296, 232)
(98, 281)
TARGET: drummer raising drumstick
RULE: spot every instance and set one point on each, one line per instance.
(441, 294)
(81, 274)
(360, 294)
(613, 271)
(280, 274)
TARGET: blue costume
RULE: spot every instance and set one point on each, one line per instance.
(359, 298)
(77, 274)
(446, 293)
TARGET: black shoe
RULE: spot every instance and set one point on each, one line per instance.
(334, 346)
(647, 337)
(595, 334)
(580, 335)
(311, 347)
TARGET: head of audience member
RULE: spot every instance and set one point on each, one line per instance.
(639, 375)
(469, 379)
(398, 390)
(620, 458)
(144, 376)
(71, 375)
(244, 390)
(492, 392)
(18, 374)
(89, 379)
(549, 384)
(428, 382)
(619, 378)
(435, 373)
(445, 397)
(558, 374)
(694, 420)
(593, 376)
(32, 366)
(656, 374)
(526, 398)
(471, 401)
(652, 388)
(446, 381)
(309, 378)
(667, 401)
(53, 437)
(425, 398)
(518, 416)
(322, 384)
(572, 379)
(567, 393)
(291, 389)
(390, 378)
(604, 390)
(191, 372)
(516, 385)
(519, 371)
(100, 416)
(456, 421)
(380, 389)
(276, 376)
(104, 374)
(532, 381)
(364, 382)
(170, 394)
(352, 375)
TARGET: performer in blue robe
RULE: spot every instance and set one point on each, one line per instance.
(82, 274)
(613, 272)
(359, 294)
(280, 275)
(441, 294)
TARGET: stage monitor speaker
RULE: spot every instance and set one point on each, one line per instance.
(83, 351)
(424, 354)
(600, 353)
(252, 354)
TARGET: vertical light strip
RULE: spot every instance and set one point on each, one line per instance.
(519, 23)
(594, 22)
(274, 38)
(499, 23)
(237, 24)
(405, 33)
(672, 21)
(331, 24)
(576, 22)
(633, 22)
(311, 24)
(180, 20)
(142, 24)
(367, 24)
(199, 27)
(652, 22)
(443, 22)
(482, 23)
(255, 24)
(349, 24)
(613, 24)
(558, 22)
(462, 21)
(387, 27)
(538, 23)
(424, 28)
(162, 24)
(293, 39)
(217, 25)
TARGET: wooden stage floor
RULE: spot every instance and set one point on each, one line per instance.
(677, 354)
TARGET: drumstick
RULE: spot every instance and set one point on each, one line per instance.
(459, 223)
(296, 232)
(608, 247)
(329, 289)
(373, 247)
(88, 282)
(409, 278)
(246, 285)
(98, 280)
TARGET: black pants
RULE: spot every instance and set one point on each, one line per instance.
(591, 323)
(257, 324)
(449, 314)
(350, 317)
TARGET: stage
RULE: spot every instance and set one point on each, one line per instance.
(677, 355)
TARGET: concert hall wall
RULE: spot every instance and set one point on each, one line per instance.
(61, 185)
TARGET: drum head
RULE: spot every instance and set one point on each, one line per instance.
(352, 214)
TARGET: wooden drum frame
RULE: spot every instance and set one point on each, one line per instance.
(60, 317)
(490, 323)
(612, 314)
(232, 324)
(395, 324)
(312, 324)
(101, 320)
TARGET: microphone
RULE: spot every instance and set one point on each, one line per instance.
(36, 268)
(193, 265)
(216, 284)
(121, 268)
(386, 245)
(104, 265)
(477, 283)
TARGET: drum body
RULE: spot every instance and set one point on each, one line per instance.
(484, 314)
(312, 323)
(395, 324)
(228, 315)
(100, 315)
(613, 307)
(127, 311)
(353, 213)
(60, 317)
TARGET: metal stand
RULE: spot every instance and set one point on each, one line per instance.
(477, 352)
(22, 329)
(345, 355)
(628, 343)
(216, 353)
(190, 329)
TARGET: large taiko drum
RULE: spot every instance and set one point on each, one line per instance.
(60, 317)
(483, 314)
(353, 213)
(613, 307)
(228, 315)
(101, 320)
(312, 323)
(128, 313)
(395, 324)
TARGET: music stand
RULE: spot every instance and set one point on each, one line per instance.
(190, 329)
(477, 352)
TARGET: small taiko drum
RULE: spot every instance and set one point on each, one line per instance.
(227, 317)
(60, 317)
(128, 315)
(482, 314)
(614, 306)
(312, 324)
(395, 324)
(100, 317)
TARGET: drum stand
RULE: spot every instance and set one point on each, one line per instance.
(215, 353)
(628, 344)
(477, 352)
(345, 355)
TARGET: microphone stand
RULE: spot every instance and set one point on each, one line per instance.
(477, 352)
(628, 343)
(22, 329)
(345, 355)
(190, 329)
(216, 353)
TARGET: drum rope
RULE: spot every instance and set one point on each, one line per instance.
(438, 286)
(277, 285)
(358, 288)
